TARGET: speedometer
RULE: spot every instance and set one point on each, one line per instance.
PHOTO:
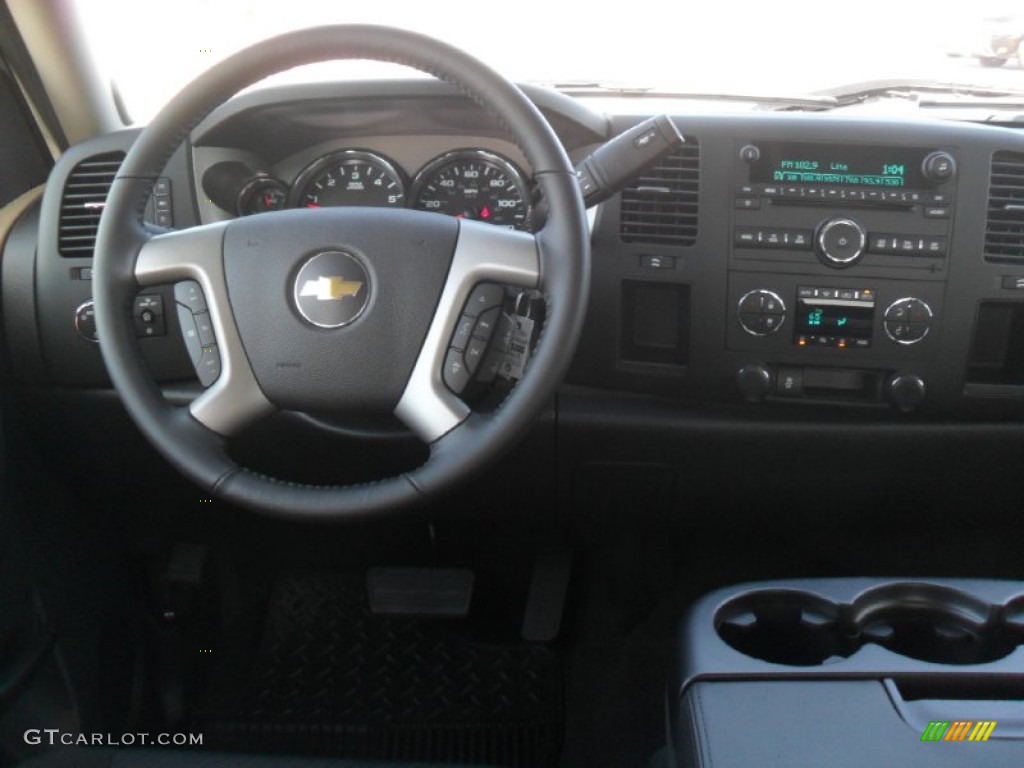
(349, 177)
(473, 184)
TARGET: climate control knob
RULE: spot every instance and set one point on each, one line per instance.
(841, 242)
(907, 321)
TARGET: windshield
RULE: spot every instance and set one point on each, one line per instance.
(732, 47)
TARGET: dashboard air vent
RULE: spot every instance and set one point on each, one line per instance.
(661, 206)
(1004, 233)
(85, 193)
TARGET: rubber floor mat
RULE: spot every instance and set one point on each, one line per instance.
(331, 679)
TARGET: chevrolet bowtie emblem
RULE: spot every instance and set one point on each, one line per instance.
(331, 288)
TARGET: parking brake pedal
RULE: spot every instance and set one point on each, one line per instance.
(434, 592)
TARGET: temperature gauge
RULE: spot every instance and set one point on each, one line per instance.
(260, 195)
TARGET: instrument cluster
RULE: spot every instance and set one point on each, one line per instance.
(465, 183)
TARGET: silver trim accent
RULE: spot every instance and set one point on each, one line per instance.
(235, 399)
(906, 342)
(751, 331)
(836, 222)
(483, 253)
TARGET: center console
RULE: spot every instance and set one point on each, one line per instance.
(851, 672)
(838, 258)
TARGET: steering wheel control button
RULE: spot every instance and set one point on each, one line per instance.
(189, 294)
(486, 324)
(463, 330)
(483, 297)
(190, 334)
(208, 369)
(205, 328)
(907, 321)
(474, 354)
(85, 322)
(761, 312)
(456, 375)
(332, 289)
(841, 242)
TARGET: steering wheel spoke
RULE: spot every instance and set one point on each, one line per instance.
(234, 400)
(483, 254)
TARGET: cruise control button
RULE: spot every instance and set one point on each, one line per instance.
(463, 330)
(484, 297)
(191, 295)
(190, 334)
(205, 328)
(455, 374)
(208, 369)
(162, 187)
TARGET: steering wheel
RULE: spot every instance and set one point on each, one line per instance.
(379, 347)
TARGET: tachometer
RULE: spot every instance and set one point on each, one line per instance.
(349, 177)
(474, 184)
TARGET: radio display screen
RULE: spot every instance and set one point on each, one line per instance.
(839, 164)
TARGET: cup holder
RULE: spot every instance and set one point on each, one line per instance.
(926, 622)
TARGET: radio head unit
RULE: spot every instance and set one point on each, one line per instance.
(846, 165)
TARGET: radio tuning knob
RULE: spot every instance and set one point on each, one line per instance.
(906, 391)
(938, 167)
(841, 242)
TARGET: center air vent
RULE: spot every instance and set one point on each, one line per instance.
(85, 194)
(1004, 235)
(661, 206)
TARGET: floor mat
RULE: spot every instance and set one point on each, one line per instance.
(331, 679)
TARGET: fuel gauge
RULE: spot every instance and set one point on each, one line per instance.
(260, 195)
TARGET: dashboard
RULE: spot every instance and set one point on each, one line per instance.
(845, 264)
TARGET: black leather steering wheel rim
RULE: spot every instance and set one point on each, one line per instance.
(563, 256)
